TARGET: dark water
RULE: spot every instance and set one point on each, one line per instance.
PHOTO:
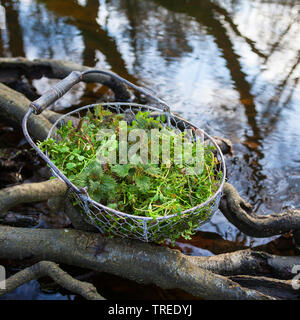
(230, 66)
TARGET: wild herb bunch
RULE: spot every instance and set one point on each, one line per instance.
(137, 188)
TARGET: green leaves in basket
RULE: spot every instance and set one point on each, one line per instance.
(121, 170)
(151, 190)
(143, 183)
(101, 186)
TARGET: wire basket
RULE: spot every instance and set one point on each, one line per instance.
(110, 221)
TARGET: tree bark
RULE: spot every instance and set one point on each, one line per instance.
(141, 262)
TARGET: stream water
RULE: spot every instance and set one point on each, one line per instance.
(229, 66)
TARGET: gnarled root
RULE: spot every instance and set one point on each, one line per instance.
(31, 192)
(134, 260)
(240, 214)
(51, 269)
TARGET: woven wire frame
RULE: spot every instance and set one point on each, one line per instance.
(116, 223)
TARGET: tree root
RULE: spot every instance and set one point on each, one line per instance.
(235, 209)
(12, 69)
(18, 219)
(62, 202)
(31, 192)
(281, 289)
(51, 269)
(256, 263)
(224, 144)
(13, 106)
(240, 214)
(134, 260)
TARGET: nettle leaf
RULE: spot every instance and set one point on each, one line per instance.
(121, 170)
(94, 186)
(97, 196)
(155, 198)
(143, 183)
(108, 184)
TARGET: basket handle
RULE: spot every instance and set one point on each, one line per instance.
(73, 78)
(56, 92)
(144, 91)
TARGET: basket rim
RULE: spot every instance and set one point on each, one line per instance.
(86, 197)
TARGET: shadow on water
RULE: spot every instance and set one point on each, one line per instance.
(229, 66)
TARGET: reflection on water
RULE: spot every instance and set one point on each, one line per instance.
(31, 291)
(230, 66)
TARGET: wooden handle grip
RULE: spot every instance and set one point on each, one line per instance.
(56, 92)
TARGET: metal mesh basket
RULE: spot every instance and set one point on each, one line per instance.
(110, 221)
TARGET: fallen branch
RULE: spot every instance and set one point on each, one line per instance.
(51, 269)
(76, 218)
(235, 209)
(63, 203)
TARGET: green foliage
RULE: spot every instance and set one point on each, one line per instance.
(151, 190)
